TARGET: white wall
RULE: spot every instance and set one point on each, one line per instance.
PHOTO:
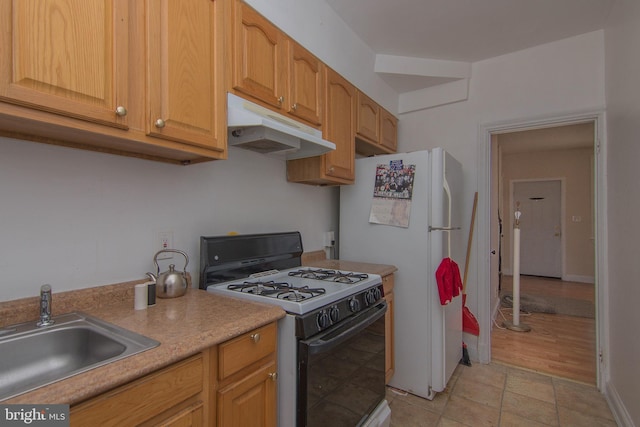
(622, 36)
(78, 219)
(550, 80)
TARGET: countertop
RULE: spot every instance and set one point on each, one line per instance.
(361, 267)
(183, 326)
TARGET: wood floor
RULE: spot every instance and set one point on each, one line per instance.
(559, 345)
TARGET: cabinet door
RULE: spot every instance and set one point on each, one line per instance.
(67, 57)
(388, 130)
(259, 49)
(305, 84)
(368, 119)
(185, 80)
(250, 402)
(339, 126)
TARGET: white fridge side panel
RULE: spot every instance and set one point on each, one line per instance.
(445, 211)
(408, 250)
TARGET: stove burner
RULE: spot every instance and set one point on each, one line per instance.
(329, 275)
(300, 294)
(260, 288)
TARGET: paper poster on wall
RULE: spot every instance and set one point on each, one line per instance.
(392, 193)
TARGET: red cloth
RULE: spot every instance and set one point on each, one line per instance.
(448, 280)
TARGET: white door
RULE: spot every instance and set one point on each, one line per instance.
(540, 227)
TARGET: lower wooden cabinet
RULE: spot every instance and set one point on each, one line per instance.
(250, 401)
(387, 285)
(248, 379)
(233, 384)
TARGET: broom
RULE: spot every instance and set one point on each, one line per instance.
(469, 322)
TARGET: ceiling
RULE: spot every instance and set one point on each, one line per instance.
(463, 30)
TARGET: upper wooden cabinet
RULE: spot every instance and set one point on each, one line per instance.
(388, 130)
(273, 69)
(338, 166)
(306, 84)
(259, 49)
(141, 79)
(376, 128)
(185, 84)
(68, 57)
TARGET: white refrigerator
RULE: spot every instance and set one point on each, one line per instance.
(413, 222)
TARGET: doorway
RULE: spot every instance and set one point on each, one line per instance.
(491, 219)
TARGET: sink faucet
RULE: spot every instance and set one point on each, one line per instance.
(45, 306)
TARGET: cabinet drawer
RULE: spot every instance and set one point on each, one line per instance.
(142, 399)
(246, 349)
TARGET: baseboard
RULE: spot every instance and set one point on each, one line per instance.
(580, 279)
(617, 407)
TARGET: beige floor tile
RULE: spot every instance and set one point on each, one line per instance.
(471, 413)
(471, 389)
(436, 405)
(531, 384)
(492, 374)
(445, 422)
(583, 399)
(571, 418)
(530, 408)
(404, 414)
(512, 420)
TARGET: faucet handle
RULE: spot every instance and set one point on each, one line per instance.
(45, 306)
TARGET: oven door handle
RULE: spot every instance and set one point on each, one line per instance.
(353, 327)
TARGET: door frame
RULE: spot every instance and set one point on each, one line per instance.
(483, 248)
(562, 214)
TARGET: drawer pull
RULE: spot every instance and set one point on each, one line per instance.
(255, 337)
(273, 376)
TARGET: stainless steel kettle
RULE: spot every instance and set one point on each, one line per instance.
(172, 283)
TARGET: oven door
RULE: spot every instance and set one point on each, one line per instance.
(342, 371)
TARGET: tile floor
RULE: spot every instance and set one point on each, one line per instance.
(500, 395)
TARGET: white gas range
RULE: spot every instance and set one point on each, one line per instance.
(331, 342)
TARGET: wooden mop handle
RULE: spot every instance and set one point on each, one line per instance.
(466, 262)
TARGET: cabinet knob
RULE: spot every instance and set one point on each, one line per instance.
(281, 100)
(332, 169)
(121, 111)
(294, 107)
(159, 123)
(255, 337)
(273, 376)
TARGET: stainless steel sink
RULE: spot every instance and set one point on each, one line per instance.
(32, 356)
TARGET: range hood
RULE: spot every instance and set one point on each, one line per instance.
(253, 127)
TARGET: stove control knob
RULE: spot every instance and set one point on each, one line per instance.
(334, 314)
(377, 293)
(370, 297)
(323, 319)
(354, 305)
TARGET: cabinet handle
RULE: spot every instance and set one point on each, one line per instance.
(332, 169)
(255, 337)
(294, 107)
(281, 100)
(121, 111)
(273, 376)
(160, 123)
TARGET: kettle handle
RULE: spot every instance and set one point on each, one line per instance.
(184, 254)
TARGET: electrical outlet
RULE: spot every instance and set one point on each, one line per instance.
(329, 239)
(165, 241)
